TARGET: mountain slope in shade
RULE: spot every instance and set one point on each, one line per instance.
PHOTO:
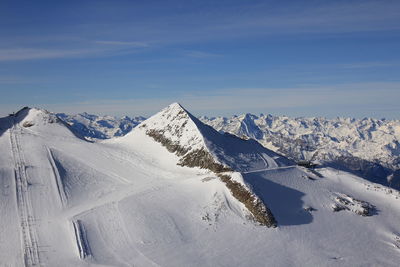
(369, 147)
(126, 201)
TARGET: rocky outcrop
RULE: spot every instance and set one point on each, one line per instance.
(258, 209)
(359, 207)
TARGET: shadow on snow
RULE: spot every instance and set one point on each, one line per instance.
(285, 203)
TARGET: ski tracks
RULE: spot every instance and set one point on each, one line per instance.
(58, 180)
(271, 169)
(24, 204)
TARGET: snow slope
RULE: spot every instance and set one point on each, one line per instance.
(125, 202)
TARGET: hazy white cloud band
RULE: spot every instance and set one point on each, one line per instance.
(368, 98)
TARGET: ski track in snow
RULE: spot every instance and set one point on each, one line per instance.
(114, 198)
(270, 169)
(58, 181)
(26, 216)
(81, 239)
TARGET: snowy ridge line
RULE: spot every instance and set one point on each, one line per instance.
(59, 183)
(195, 122)
(81, 239)
(24, 204)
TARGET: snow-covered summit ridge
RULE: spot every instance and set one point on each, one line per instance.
(35, 119)
(29, 117)
(38, 121)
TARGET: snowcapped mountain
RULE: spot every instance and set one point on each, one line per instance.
(175, 192)
(370, 147)
(100, 127)
(180, 131)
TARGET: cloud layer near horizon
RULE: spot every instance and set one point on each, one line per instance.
(340, 100)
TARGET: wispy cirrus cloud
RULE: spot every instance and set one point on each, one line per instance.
(265, 19)
(326, 17)
(200, 54)
(103, 48)
(223, 22)
(363, 65)
(123, 43)
(42, 53)
(18, 80)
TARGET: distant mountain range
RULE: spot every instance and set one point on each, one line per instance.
(100, 127)
(368, 147)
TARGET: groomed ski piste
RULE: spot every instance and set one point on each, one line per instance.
(65, 201)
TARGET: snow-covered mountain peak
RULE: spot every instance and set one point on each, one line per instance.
(199, 145)
(177, 125)
(34, 117)
(174, 113)
(174, 106)
(39, 121)
(182, 133)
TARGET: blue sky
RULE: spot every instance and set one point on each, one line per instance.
(297, 58)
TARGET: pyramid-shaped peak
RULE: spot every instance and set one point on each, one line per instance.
(181, 132)
(175, 105)
(174, 114)
(176, 125)
(174, 109)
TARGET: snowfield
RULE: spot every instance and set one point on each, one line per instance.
(125, 201)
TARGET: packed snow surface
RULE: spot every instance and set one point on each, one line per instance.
(65, 201)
